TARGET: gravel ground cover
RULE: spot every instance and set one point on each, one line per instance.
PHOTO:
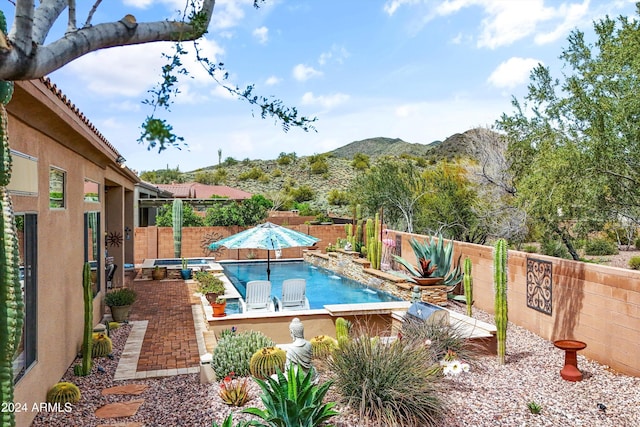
(488, 395)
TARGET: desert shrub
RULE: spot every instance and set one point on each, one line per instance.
(600, 247)
(233, 352)
(302, 194)
(253, 173)
(338, 197)
(319, 167)
(230, 161)
(391, 384)
(286, 158)
(264, 179)
(360, 161)
(637, 243)
(554, 248)
(276, 173)
(531, 249)
(634, 263)
(443, 338)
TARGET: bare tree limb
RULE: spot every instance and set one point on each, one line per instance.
(71, 25)
(21, 35)
(44, 17)
(91, 12)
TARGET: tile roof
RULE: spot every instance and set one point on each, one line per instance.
(195, 190)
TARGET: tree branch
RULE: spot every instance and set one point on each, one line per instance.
(44, 17)
(71, 25)
(91, 12)
(22, 31)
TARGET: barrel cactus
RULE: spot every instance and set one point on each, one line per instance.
(63, 392)
(266, 361)
(323, 346)
(11, 299)
(177, 227)
(102, 345)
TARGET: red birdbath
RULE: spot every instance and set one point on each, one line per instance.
(570, 371)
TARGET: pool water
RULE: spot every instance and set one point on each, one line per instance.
(323, 286)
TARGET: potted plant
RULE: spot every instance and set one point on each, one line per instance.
(186, 272)
(434, 263)
(210, 286)
(119, 301)
(219, 306)
(158, 273)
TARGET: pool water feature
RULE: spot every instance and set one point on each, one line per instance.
(323, 286)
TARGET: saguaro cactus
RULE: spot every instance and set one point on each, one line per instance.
(177, 228)
(87, 336)
(468, 286)
(500, 286)
(11, 301)
(374, 243)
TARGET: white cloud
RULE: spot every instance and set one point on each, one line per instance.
(513, 72)
(302, 72)
(135, 69)
(262, 34)
(132, 69)
(391, 6)
(272, 81)
(505, 22)
(327, 102)
(574, 15)
(129, 106)
(228, 13)
(336, 53)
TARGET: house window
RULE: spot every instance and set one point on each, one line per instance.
(27, 227)
(57, 178)
(91, 191)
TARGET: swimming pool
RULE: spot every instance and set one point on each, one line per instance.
(323, 286)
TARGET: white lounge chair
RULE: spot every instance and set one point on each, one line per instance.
(293, 295)
(258, 297)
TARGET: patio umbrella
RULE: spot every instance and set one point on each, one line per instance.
(267, 236)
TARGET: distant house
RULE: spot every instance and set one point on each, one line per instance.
(195, 190)
(73, 202)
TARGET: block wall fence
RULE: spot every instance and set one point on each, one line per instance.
(596, 304)
(157, 242)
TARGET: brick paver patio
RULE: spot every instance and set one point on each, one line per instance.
(170, 338)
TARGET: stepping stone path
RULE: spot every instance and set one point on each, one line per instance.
(122, 409)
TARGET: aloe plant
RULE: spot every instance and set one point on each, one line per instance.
(11, 300)
(435, 259)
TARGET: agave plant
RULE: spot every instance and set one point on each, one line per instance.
(435, 259)
(293, 400)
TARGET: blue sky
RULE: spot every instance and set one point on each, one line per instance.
(419, 70)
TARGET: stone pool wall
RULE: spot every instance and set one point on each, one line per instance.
(349, 264)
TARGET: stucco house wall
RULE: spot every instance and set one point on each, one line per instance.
(48, 130)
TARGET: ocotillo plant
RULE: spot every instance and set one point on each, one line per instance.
(468, 286)
(500, 286)
(177, 227)
(11, 302)
(87, 336)
(374, 244)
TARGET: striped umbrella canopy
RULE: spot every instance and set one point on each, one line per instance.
(267, 236)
